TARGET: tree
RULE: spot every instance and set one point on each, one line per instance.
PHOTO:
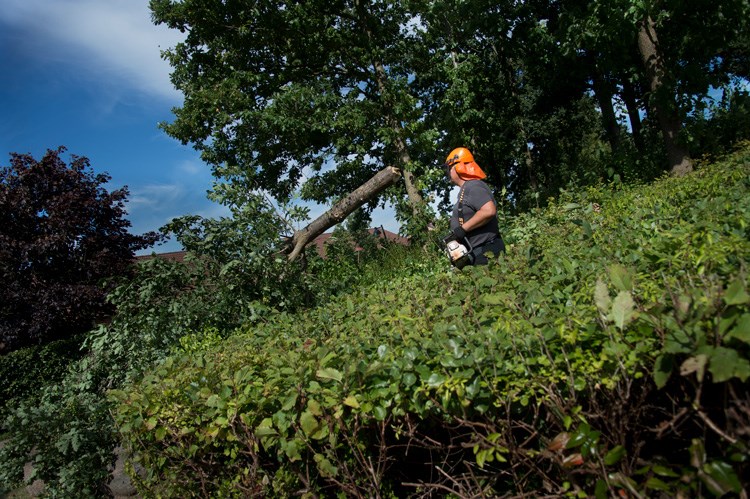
(494, 78)
(684, 50)
(309, 96)
(323, 97)
(664, 99)
(61, 234)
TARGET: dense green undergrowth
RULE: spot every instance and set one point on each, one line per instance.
(605, 354)
(40, 365)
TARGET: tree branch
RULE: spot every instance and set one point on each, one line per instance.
(367, 191)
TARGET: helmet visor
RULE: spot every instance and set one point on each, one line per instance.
(447, 167)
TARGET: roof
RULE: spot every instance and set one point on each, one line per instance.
(176, 256)
(319, 242)
(379, 232)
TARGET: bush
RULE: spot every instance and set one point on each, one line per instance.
(26, 371)
(232, 275)
(66, 432)
(618, 315)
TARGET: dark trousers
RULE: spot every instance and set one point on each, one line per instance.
(496, 246)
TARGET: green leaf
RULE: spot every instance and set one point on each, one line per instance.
(308, 423)
(493, 299)
(325, 466)
(435, 380)
(453, 311)
(601, 297)
(664, 471)
(314, 407)
(600, 492)
(291, 449)
(567, 421)
(587, 229)
(579, 437)
(723, 363)
(329, 373)
(265, 428)
(742, 370)
(620, 277)
(351, 401)
(736, 294)
(656, 483)
(623, 309)
(160, 433)
(723, 477)
(289, 402)
(614, 455)
(741, 330)
(486, 282)
(379, 412)
(214, 401)
(663, 369)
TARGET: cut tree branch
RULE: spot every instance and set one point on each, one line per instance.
(367, 191)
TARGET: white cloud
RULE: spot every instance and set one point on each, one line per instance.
(148, 196)
(108, 40)
(190, 167)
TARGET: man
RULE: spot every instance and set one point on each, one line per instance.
(474, 218)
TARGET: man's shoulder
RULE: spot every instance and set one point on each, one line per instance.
(477, 186)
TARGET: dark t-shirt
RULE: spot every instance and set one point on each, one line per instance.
(475, 195)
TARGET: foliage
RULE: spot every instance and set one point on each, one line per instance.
(27, 370)
(311, 94)
(717, 126)
(619, 314)
(232, 275)
(66, 432)
(538, 90)
(61, 233)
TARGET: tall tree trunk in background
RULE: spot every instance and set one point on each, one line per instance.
(415, 198)
(381, 76)
(510, 81)
(631, 103)
(603, 92)
(664, 105)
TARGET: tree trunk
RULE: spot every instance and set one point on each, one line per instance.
(631, 103)
(367, 191)
(664, 103)
(415, 198)
(603, 92)
(381, 76)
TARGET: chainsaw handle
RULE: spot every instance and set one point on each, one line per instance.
(450, 237)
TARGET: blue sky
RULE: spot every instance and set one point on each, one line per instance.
(87, 75)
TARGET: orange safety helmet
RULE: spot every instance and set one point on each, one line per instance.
(466, 167)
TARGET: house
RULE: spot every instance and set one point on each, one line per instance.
(379, 232)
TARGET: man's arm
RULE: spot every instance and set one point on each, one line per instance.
(481, 217)
(486, 213)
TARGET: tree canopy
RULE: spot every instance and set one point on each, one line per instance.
(318, 97)
(61, 234)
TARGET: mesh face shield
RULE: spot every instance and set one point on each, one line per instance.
(447, 168)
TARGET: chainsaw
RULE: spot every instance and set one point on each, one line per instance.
(460, 255)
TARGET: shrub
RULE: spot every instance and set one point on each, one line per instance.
(26, 371)
(618, 315)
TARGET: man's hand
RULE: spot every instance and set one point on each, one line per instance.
(458, 233)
